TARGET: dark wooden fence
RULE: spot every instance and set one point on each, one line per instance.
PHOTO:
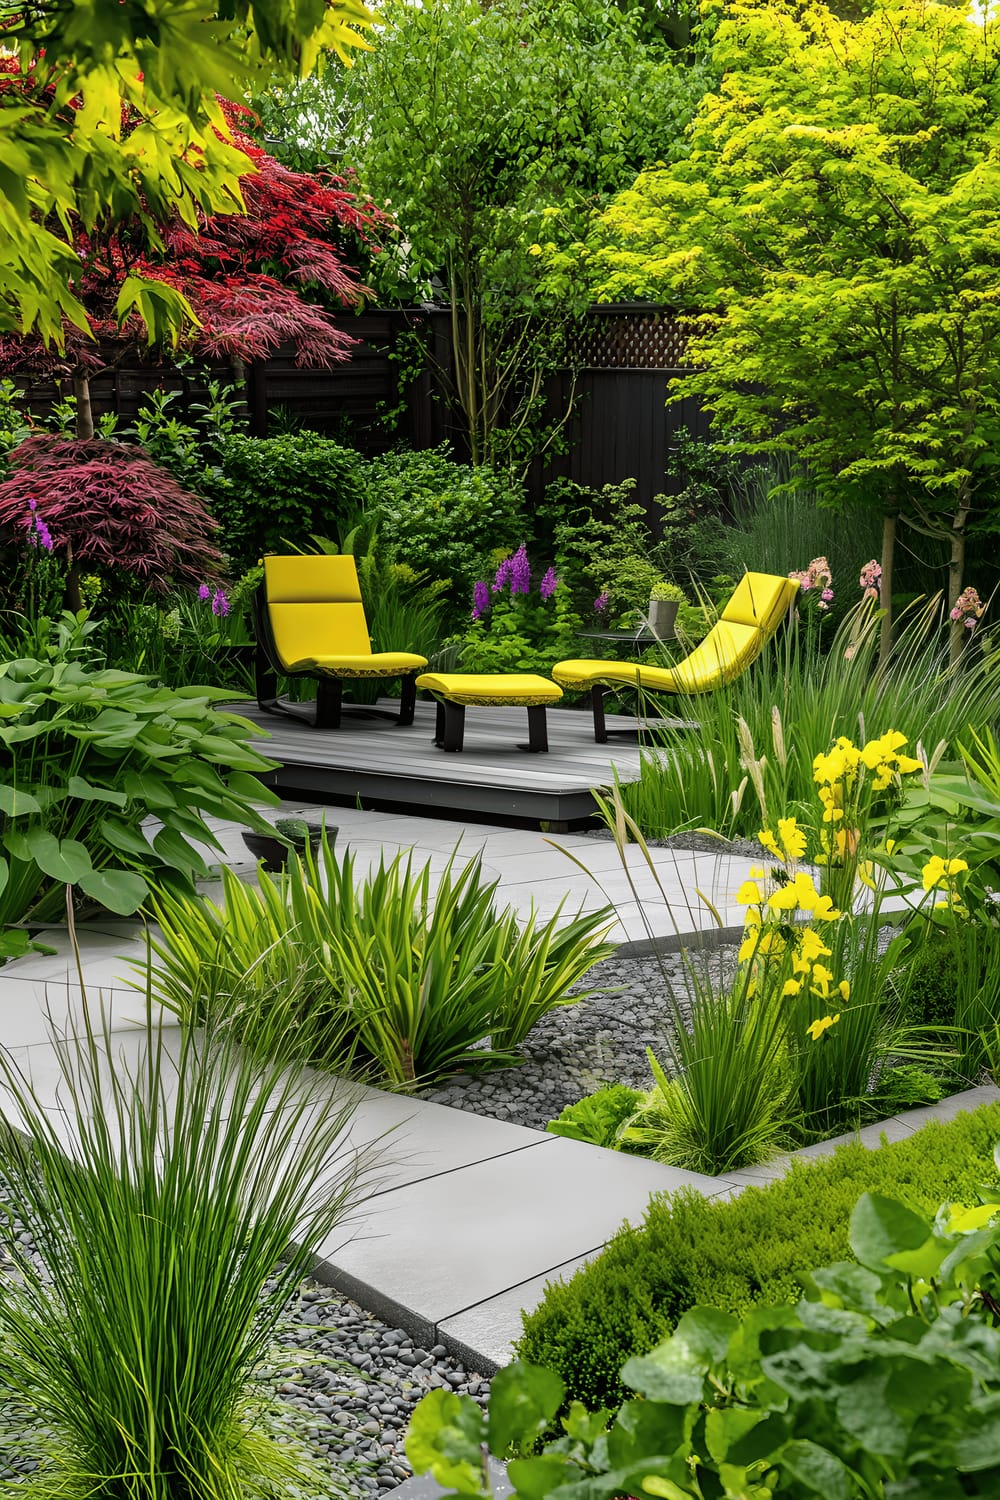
(622, 361)
(622, 426)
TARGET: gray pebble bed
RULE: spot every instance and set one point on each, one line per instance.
(576, 1049)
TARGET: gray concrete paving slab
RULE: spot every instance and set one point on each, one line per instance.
(484, 1335)
(442, 1245)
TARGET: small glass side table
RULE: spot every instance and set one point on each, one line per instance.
(632, 641)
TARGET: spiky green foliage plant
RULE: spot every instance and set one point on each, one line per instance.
(173, 1205)
(403, 977)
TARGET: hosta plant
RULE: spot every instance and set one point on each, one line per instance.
(87, 756)
(154, 1259)
(882, 1384)
(404, 977)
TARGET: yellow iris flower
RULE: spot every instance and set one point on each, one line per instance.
(938, 871)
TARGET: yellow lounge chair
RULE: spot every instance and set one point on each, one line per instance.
(759, 603)
(311, 623)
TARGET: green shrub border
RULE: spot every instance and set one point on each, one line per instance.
(732, 1253)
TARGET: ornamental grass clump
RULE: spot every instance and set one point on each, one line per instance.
(402, 978)
(162, 1219)
(752, 758)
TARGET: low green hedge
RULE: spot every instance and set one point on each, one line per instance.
(731, 1253)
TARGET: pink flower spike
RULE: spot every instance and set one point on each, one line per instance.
(204, 593)
(549, 584)
(220, 604)
(601, 603)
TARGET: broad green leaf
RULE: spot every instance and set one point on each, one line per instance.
(120, 891)
(523, 1400)
(738, 1436)
(64, 860)
(537, 1478)
(670, 1373)
(172, 847)
(126, 838)
(883, 1230)
(817, 1470)
(445, 1438)
(16, 803)
(77, 786)
(706, 1331)
(644, 1429)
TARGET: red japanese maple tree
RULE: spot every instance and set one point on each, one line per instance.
(246, 275)
(107, 505)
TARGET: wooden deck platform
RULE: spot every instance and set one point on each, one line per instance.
(372, 762)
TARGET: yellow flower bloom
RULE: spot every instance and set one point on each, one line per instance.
(817, 1028)
(792, 837)
(750, 894)
(792, 987)
(767, 839)
(844, 989)
(938, 871)
(802, 894)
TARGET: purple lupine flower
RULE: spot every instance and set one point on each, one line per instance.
(520, 571)
(42, 535)
(601, 603)
(220, 604)
(204, 593)
(32, 504)
(502, 577)
(549, 584)
(480, 600)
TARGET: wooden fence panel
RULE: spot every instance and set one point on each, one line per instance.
(622, 427)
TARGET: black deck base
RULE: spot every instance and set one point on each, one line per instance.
(376, 764)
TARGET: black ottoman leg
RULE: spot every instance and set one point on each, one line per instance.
(407, 700)
(538, 734)
(600, 726)
(454, 726)
(439, 722)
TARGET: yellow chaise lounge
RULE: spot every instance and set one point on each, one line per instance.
(758, 605)
(311, 623)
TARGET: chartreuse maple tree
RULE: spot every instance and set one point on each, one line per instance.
(833, 231)
(112, 113)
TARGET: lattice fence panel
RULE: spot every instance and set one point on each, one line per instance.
(632, 341)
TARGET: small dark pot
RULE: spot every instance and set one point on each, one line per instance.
(273, 850)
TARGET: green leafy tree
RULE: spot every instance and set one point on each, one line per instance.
(162, 65)
(490, 130)
(833, 229)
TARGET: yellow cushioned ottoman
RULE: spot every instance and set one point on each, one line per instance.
(455, 690)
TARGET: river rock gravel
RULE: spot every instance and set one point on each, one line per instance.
(603, 1039)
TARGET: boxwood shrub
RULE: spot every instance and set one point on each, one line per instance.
(731, 1253)
(268, 492)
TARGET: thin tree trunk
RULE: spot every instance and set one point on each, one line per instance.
(885, 587)
(74, 596)
(956, 571)
(84, 411)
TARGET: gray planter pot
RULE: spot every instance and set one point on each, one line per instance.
(662, 615)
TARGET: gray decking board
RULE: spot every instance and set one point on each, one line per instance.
(377, 759)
